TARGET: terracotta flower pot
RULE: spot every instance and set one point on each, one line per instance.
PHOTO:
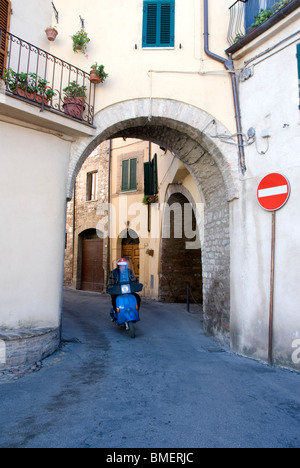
(74, 107)
(51, 34)
(24, 94)
(95, 79)
(40, 99)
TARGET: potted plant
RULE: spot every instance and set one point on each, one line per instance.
(20, 83)
(80, 41)
(51, 33)
(97, 74)
(261, 18)
(44, 93)
(148, 199)
(238, 37)
(74, 100)
(29, 86)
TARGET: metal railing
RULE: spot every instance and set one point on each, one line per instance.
(236, 28)
(42, 79)
(246, 15)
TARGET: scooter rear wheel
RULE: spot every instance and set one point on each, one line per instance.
(131, 329)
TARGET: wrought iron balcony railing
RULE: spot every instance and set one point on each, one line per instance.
(237, 21)
(246, 15)
(38, 77)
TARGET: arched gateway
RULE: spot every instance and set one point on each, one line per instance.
(191, 134)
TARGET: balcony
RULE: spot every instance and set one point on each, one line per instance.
(250, 18)
(34, 76)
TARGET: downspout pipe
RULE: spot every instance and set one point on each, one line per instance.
(229, 65)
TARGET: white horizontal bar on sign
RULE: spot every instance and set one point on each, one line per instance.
(269, 192)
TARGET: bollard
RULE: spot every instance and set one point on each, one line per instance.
(188, 296)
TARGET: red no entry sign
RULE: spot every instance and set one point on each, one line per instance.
(273, 192)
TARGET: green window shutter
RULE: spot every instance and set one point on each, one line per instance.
(165, 24)
(129, 175)
(150, 34)
(158, 23)
(147, 179)
(154, 175)
(125, 177)
(150, 177)
(298, 57)
(133, 174)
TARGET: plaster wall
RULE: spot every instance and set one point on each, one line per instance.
(269, 103)
(115, 30)
(33, 185)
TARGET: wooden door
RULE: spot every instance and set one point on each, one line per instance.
(133, 252)
(92, 274)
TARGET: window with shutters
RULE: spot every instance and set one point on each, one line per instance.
(159, 23)
(129, 175)
(5, 9)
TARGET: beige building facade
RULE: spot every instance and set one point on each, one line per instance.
(227, 111)
(110, 217)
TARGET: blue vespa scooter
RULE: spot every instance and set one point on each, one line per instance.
(125, 300)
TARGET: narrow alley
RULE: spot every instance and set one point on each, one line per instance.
(170, 387)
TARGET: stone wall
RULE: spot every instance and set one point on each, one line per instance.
(179, 266)
(86, 212)
(25, 347)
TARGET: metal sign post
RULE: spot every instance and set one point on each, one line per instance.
(272, 275)
(272, 194)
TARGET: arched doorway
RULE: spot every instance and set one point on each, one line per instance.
(187, 132)
(130, 247)
(181, 262)
(90, 261)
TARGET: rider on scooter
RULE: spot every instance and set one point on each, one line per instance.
(122, 274)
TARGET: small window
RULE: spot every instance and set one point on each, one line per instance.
(92, 184)
(159, 23)
(129, 175)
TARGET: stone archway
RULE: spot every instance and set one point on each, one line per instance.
(189, 133)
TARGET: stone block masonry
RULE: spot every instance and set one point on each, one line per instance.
(25, 347)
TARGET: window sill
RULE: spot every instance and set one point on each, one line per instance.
(158, 48)
(124, 192)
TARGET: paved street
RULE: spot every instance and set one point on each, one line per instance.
(171, 387)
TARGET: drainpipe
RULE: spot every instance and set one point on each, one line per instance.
(229, 65)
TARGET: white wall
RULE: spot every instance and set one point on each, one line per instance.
(30, 19)
(32, 207)
(269, 100)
